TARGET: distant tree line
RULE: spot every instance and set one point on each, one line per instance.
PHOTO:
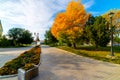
(16, 37)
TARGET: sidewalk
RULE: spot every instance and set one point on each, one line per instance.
(58, 64)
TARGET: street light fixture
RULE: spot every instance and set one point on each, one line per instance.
(111, 14)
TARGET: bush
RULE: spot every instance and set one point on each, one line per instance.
(25, 60)
(4, 42)
(28, 66)
(7, 70)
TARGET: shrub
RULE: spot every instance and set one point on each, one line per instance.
(28, 66)
(26, 60)
(4, 42)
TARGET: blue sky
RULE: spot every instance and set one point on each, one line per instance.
(38, 15)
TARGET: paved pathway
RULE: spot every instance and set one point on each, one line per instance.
(62, 65)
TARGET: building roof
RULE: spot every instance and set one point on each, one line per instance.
(1, 29)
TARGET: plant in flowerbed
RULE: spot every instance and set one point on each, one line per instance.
(25, 60)
(28, 66)
(27, 72)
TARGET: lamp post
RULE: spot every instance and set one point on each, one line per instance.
(111, 16)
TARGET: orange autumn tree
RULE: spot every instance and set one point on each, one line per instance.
(69, 25)
(59, 24)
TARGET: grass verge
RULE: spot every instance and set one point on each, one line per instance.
(99, 54)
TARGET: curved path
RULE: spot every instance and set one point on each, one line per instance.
(62, 65)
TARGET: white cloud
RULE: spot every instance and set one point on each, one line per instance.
(34, 15)
(88, 4)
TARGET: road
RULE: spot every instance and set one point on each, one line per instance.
(7, 54)
(62, 65)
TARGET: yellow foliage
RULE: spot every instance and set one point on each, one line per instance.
(71, 21)
(115, 17)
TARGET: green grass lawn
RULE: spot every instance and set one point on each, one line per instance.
(99, 54)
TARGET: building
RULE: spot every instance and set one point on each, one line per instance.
(1, 29)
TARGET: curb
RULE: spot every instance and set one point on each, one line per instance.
(8, 76)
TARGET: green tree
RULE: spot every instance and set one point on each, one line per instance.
(20, 36)
(99, 32)
(64, 38)
(14, 34)
(25, 37)
(86, 36)
(49, 38)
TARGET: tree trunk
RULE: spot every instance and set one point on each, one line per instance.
(96, 45)
(74, 45)
(69, 44)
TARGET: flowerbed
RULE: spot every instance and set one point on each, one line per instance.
(30, 57)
